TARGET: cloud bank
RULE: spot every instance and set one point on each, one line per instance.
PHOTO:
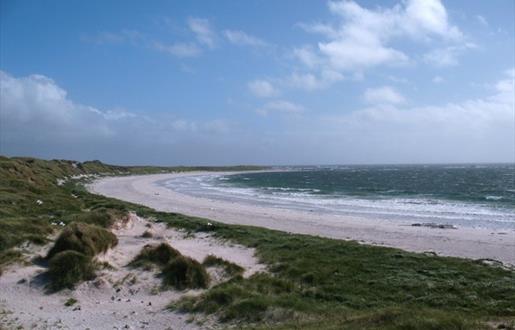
(39, 119)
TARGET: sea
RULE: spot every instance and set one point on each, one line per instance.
(470, 195)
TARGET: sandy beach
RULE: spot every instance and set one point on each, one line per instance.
(461, 242)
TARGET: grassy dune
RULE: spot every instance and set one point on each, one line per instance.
(312, 282)
(37, 196)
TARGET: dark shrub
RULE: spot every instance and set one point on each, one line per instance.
(183, 272)
(86, 239)
(68, 268)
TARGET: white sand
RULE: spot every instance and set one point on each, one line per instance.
(112, 301)
(461, 242)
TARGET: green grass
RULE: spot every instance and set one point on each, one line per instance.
(312, 282)
(68, 268)
(87, 239)
(70, 302)
(313, 276)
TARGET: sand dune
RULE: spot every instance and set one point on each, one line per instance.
(119, 298)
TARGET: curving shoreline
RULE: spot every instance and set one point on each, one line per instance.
(461, 242)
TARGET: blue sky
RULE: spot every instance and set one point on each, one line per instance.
(264, 82)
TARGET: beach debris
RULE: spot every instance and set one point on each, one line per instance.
(434, 225)
(39, 202)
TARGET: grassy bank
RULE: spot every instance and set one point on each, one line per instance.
(312, 282)
(37, 197)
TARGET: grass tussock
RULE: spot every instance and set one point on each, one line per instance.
(158, 255)
(87, 239)
(68, 268)
(177, 270)
(230, 268)
(185, 273)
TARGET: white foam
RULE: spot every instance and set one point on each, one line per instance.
(421, 207)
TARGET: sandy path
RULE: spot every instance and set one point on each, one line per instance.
(113, 300)
(461, 242)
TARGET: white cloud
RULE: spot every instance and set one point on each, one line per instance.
(37, 115)
(423, 17)
(307, 56)
(262, 88)
(438, 80)
(124, 36)
(37, 100)
(280, 106)
(383, 95)
(179, 49)
(472, 130)
(310, 82)
(363, 38)
(482, 20)
(447, 56)
(202, 29)
(243, 39)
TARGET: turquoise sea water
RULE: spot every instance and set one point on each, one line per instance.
(462, 195)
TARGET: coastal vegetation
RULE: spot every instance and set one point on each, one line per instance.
(155, 255)
(177, 270)
(67, 268)
(310, 282)
(230, 268)
(86, 239)
(185, 273)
